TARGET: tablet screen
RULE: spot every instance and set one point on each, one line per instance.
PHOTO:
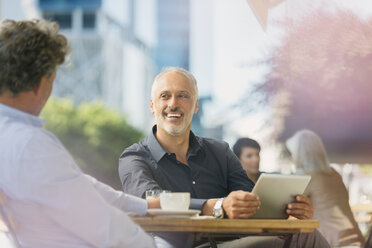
(276, 191)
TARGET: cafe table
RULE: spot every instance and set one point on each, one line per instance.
(227, 228)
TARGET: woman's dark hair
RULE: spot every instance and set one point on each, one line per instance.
(245, 142)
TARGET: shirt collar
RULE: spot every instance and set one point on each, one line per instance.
(21, 116)
(157, 151)
(195, 145)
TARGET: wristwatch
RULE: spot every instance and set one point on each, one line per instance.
(218, 210)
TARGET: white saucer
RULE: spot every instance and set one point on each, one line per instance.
(173, 214)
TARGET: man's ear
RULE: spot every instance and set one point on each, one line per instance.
(43, 81)
(37, 88)
(196, 107)
(152, 108)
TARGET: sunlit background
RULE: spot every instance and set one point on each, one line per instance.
(265, 69)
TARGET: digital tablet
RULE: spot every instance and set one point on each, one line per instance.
(276, 191)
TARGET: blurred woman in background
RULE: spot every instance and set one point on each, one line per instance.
(248, 152)
(326, 190)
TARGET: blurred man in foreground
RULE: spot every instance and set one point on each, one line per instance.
(173, 158)
(54, 203)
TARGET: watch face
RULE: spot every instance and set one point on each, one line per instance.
(217, 212)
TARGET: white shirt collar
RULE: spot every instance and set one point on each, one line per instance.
(21, 116)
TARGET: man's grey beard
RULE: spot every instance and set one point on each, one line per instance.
(170, 131)
(173, 132)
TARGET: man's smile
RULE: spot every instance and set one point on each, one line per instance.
(173, 115)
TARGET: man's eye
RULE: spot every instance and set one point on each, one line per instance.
(183, 96)
(163, 96)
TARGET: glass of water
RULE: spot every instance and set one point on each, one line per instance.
(155, 193)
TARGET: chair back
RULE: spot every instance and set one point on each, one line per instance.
(8, 225)
(362, 212)
(369, 239)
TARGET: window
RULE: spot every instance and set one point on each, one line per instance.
(63, 19)
(89, 20)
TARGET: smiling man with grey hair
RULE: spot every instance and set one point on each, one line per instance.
(173, 158)
(188, 100)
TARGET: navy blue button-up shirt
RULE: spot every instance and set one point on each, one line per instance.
(213, 171)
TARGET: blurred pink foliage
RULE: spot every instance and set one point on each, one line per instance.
(324, 66)
(325, 61)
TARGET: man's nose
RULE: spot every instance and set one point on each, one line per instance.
(172, 103)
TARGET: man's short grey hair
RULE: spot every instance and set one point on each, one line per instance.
(179, 70)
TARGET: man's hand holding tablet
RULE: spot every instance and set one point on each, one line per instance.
(241, 204)
(301, 209)
(281, 196)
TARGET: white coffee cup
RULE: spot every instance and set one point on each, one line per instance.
(176, 201)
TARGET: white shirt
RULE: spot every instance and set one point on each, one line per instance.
(54, 203)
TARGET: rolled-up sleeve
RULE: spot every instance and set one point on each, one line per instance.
(197, 203)
(135, 175)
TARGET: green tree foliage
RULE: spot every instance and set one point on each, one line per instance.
(93, 134)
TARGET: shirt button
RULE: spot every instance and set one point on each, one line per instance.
(193, 182)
